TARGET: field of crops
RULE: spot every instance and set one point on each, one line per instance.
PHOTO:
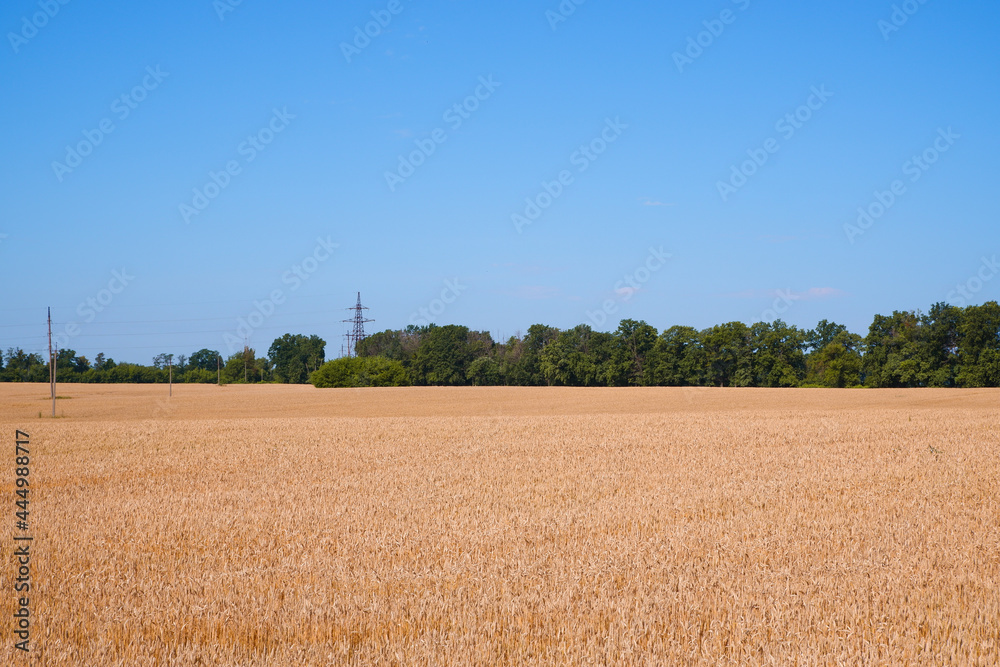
(280, 525)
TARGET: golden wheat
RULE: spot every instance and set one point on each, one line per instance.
(270, 525)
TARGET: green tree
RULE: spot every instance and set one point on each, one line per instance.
(634, 341)
(727, 355)
(163, 360)
(823, 334)
(388, 344)
(838, 364)
(445, 353)
(523, 363)
(577, 357)
(242, 367)
(200, 375)
(677, 358)
(512, 370)
(892, 351)
(360, 372)
(940, 333)
(778, 357)
(483, 372)
(70, 362)
(295, 356)
(25, 367)
(134, 373)
(979, 346)
(205, 359)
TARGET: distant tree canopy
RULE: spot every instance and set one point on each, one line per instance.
(360, 372)
(444, 354)
(204, 359)
(296, 356)
(946, 347)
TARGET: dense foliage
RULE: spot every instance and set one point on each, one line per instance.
(946, 347)
(360, 372)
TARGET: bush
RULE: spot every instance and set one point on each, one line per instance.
(484, 372)
(199, 375)
(360, 372)
(135, 373)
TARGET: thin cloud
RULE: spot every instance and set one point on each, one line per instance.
(821, 293)
(646, 201)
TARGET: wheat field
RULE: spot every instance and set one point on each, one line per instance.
(285, 525)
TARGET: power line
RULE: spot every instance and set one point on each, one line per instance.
(195, 319)
(169, 305)
(91, 341)
(99, 322)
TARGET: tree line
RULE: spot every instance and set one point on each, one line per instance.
(948, 346)
(290, 359)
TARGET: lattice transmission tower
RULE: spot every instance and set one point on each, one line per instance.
(357, 333)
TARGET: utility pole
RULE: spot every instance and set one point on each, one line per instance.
(170, 361)
(52, 367)
(218, 370)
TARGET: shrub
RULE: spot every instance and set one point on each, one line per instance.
(360, 372)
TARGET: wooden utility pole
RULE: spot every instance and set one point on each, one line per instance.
(170, 361)
(52, 367)
(218, 370)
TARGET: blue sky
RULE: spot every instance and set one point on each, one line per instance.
(240, 188)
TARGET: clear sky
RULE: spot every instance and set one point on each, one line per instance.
(172, 168)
